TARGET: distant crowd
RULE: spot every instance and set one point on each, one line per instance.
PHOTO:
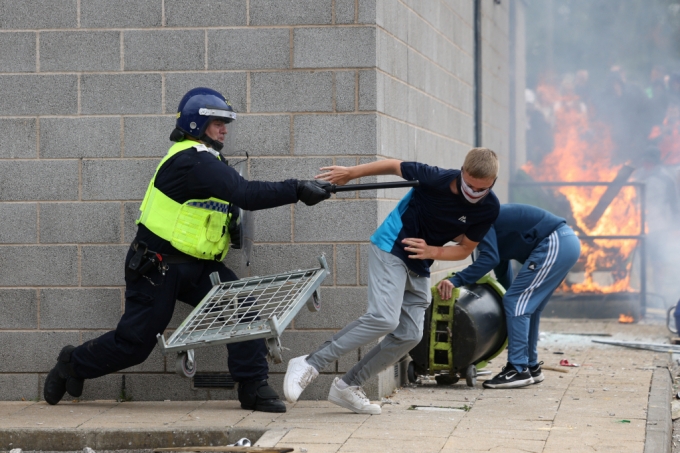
(638, 117)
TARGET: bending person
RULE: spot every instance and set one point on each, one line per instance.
(448, 205)
(547, 249)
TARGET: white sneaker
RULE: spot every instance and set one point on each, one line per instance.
(298, 376)
(352, 398)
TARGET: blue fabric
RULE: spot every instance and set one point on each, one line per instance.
(515, 234)
(434, 213)
(543, 271)
(388, 231)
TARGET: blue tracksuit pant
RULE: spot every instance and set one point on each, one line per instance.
(528, 294)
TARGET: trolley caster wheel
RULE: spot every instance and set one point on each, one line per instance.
(314, 302)
(274, 347)
(185, 365)
(471, 375)
(411, 372)
(446, 379)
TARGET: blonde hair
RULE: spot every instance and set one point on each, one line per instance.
(481, 163)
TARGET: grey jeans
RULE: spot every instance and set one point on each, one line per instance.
(397, 300)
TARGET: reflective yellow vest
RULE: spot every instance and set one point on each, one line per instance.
(196, 227)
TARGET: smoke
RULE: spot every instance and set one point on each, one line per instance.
(567, 35)
(614, 67)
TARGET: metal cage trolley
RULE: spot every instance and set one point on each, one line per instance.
(246, 309)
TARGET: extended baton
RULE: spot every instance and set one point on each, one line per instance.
(380, 185)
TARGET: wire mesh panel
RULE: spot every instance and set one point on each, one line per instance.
(247, 309)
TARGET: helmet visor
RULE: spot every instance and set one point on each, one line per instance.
(229, 147)
(215, 112)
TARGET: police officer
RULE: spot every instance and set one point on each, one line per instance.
(187, 215)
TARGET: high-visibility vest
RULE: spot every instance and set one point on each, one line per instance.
(199, 228)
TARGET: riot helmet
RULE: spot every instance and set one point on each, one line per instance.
(197, 109)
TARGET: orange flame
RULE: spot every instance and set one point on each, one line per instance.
(583, 152)
(626, 319)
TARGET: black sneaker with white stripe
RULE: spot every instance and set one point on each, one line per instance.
(536, 372)
(510, 378)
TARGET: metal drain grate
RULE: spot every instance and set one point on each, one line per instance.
(213, 381)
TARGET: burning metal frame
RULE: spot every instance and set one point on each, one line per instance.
(613, 186)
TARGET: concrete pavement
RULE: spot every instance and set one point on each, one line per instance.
(610, 403)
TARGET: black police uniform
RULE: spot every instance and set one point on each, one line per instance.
(150, 301)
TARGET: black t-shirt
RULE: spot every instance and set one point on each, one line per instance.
(433, 213)
(196, 175)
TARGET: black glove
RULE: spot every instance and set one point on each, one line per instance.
(313, 192)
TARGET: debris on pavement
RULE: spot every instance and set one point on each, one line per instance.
(656, 347)
(565, 362)
(675, 410)
(552, 368)
(243, 442)
(225, 449)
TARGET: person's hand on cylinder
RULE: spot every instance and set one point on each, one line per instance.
(418, 249)
(313, 192)
(335, 174)
(445, 288)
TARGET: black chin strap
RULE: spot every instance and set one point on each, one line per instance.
(214, 144)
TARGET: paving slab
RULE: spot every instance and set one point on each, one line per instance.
(393, 446)
(319, 435)
(492, 444)
(580, 410)
(8, 408)
(311, 448)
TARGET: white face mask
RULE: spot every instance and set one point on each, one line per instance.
(470, 195)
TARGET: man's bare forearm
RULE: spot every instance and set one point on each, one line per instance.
(452, 253)
(380, 167)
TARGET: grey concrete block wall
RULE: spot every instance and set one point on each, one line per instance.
(80, 308)
(37, 94)
(89, 95)
(76, 137)
(259, 48)
(80, 222)
(37, 15)
(19, 308)
(80, 51)
(17, 52)
(18, 223)
(20, 138)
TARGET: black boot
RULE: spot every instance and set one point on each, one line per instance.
(62, 379)
(259, 396)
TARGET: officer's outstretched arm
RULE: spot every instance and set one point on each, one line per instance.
(223, 182)
(313, 192)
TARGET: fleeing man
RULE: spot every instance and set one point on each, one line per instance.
(448, 205)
